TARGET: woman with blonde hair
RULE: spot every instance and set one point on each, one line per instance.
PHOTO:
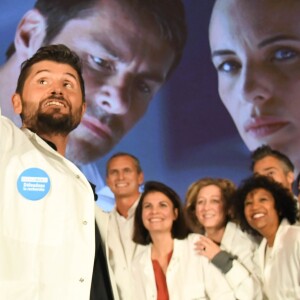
(209, 212)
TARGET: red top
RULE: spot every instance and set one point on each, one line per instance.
(160, 279)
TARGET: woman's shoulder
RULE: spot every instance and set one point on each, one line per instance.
(186, 242)
(193, 237)
(184, 250)
(234, 235)
(236, 230)
(143, 253)
(289, 231)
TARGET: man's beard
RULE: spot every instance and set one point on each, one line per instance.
(54, 123)
(48, 124)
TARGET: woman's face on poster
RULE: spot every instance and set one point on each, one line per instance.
(255, 47)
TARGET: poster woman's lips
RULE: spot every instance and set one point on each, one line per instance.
(96, 127)
(263, 126)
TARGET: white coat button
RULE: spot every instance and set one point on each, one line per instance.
(77, 176)
(81, 279)
(84, 222)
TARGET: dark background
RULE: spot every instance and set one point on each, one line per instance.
(187, 133)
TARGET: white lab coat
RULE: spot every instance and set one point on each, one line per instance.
(189, 275)
(47, 245)
(118, 265)
(280, 274)
(241, 277)
(102, 219)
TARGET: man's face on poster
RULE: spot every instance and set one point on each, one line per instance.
(255, 48)
(124, 64)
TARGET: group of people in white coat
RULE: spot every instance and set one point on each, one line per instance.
(243, 246)
(170, 267)
(224, 243)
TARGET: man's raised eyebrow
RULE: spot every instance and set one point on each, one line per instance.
(107, 45)
(40, 71)
(270, 168)
(72, 75)
(48, 71)
(277, 38)
(153, 76)
(222, 52)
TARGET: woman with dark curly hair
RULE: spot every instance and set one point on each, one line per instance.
(208, 211)
(266, 208)
(169, 267)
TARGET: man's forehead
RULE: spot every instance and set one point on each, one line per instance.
(268, 160)
(132, 11)
(131, 22)
(121, 162)
(49, 66)
(45, 72)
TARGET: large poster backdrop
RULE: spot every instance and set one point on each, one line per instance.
(186, 133)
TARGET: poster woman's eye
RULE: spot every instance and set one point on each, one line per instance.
(284, 54)
(229, 66)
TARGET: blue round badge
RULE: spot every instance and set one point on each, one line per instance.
(33, 184)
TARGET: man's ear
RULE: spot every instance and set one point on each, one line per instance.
(17, 103)
(141, 178)
(30, 33)
(83, 109)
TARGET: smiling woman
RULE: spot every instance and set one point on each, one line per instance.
(266, 207)
(209, 211)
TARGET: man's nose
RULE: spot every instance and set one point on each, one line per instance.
(121, 175)
(56, 92)
(115, 95)
(56, 89)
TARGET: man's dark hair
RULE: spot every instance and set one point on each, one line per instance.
(285, 204)
(56, 53)
(120, 154)
(179, 229)
(167, 15)
(264, 151)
